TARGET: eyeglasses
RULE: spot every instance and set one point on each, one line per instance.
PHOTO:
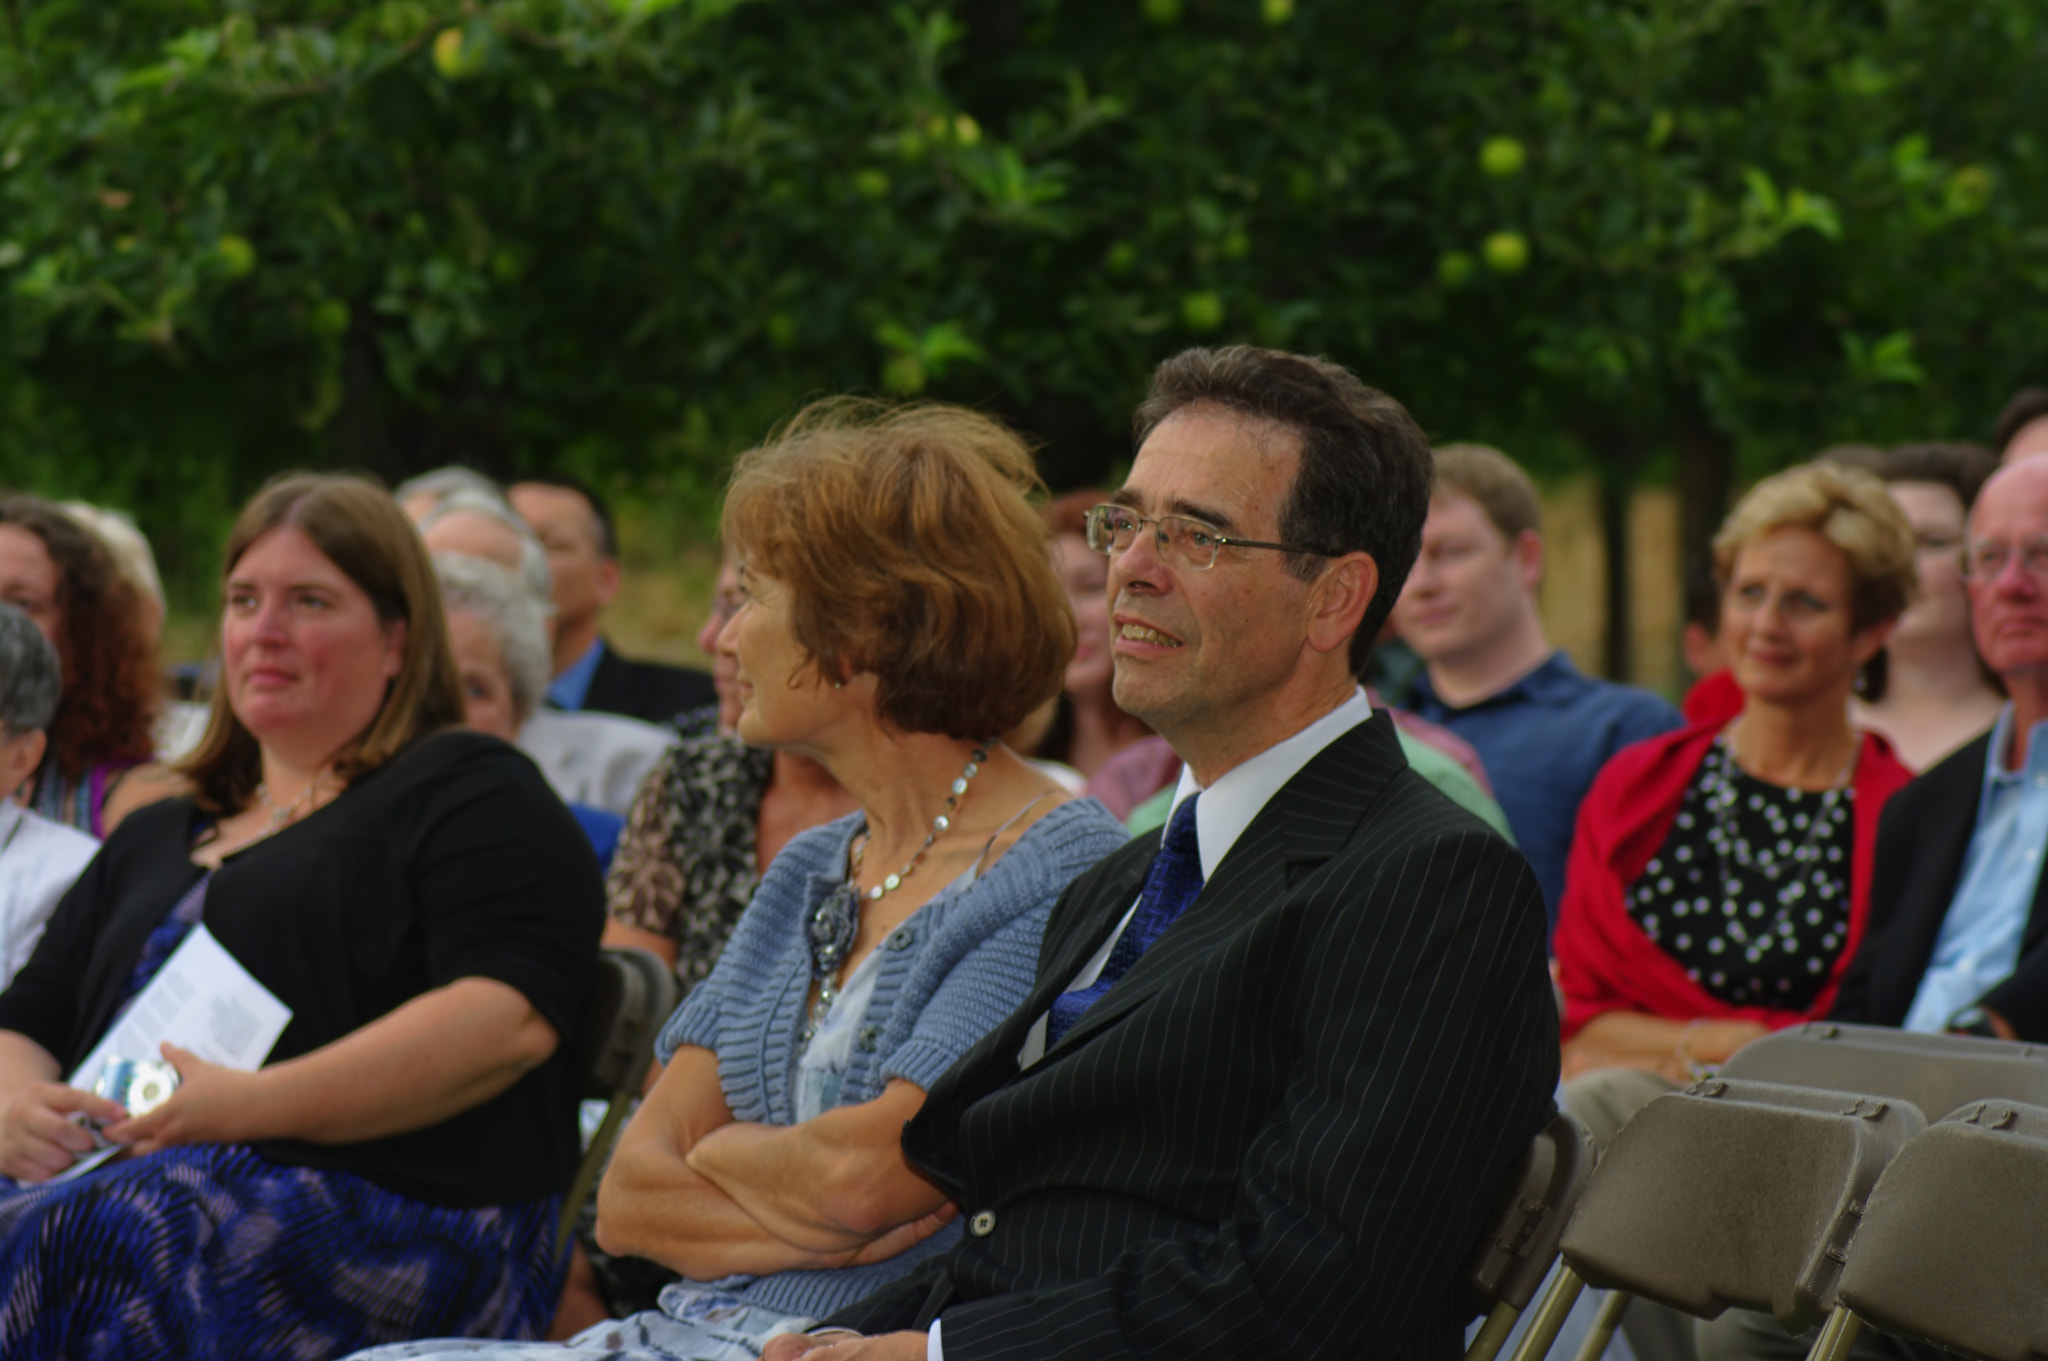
(1182, 542)
(1986, 559)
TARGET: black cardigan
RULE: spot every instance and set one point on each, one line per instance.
(453, 861)
(1922, 840)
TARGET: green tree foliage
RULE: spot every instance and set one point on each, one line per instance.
(1632, 236)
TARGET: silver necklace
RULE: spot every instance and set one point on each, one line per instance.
(836, 920)
(282, 813)
(1721, 799)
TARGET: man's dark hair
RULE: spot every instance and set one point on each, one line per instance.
(1366, 468)
(607, 530)
(2027, 406)
(1962, 468)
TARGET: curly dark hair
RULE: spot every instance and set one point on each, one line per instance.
(108, 712)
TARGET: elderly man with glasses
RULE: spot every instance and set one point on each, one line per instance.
(39, 859)
(1278, 1061)
(1958, 934)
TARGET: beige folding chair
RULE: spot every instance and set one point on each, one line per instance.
(1728, 1194)
(1937, 1073)
(631, 995)
(1953, 1248)
(1520, 1243)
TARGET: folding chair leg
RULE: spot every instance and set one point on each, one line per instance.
(1837, 1335)
(1493, 1334)
(1604, 1323)
(1551, 1311)
(587, 1170)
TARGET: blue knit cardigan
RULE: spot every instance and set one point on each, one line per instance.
(954, 969)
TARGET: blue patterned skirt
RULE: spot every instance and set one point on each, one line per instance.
(212, 1250)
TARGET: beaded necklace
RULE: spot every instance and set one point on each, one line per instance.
(836, 921)
(1721, 797)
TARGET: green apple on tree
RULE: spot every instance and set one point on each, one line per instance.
(1201, 311)
(1506, 252)
(449, 58)
(1502, 157)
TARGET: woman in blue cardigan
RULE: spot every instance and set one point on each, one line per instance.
(900, 610)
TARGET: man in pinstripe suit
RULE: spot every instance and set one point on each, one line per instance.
(1273, 1126)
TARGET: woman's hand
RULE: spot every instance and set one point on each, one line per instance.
(841, 1345)
(1703, 1043)
(896, 1241)
(204, 1109)
(38, 1136)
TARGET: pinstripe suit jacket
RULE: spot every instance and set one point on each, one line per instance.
(1280, 1133)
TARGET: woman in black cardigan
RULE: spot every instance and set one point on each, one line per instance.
(426, 908)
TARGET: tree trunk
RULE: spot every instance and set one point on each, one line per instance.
(1615, 487)
(1706, 471)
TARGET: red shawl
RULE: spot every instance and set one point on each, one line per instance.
(1604, 961)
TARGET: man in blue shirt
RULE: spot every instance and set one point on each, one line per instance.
(1542, 729)
(575, 526)
(1958, 932)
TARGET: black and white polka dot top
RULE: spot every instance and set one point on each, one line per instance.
(1750, 890)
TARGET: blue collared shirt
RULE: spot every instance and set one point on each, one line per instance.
(1979, 945)
(572, 687)
(1542, 740)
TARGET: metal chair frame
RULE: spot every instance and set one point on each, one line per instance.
(1519, 1245)
(2006, 1135)
(631, 996)
(1889, 1125)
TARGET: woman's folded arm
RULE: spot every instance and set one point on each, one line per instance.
(432, 1058)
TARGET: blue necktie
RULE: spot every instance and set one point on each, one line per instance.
(1170, 885)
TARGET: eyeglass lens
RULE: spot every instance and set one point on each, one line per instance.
(1987, 559)
(1182, 542)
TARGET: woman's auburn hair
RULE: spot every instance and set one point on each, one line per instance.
(108, 707)
(360, 529)
(1852, 510)
(909, 549)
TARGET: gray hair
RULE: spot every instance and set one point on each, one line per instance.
(31, 680)
(487, 591)
(124, 539)
(533, 558)
(443, 483)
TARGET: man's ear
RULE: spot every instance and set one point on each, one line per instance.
(1339, 600)
(607, 580)
(1527, 552)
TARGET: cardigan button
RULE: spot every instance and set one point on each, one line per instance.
(902, 939)
(983, 1224)
(865, 1040)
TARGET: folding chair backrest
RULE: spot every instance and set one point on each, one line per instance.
(631, 995)
(1937, 1073)
(1954, 1243)
(1520, 1241)
(1736, 1194)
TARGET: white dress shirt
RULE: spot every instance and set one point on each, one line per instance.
(1239, 795)
(39, 861)
(594, 759)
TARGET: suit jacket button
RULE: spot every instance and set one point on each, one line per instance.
(983, 1224)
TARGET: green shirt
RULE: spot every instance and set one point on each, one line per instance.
(1431, 764)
